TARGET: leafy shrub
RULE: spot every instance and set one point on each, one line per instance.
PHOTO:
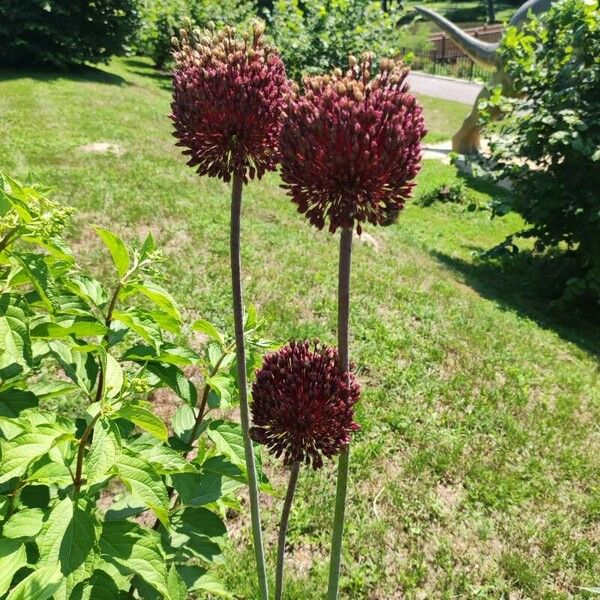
(63, 32)
(316, 37)
(63, 335)
(548, 143)
(454, 193)
(162, 19)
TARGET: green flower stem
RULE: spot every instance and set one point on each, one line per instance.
(283, 525)
(238, 315)
(344, 459)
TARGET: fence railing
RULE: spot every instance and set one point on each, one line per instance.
(459, 67)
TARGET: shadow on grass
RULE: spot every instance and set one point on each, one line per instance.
(521, 282)
(75, 73)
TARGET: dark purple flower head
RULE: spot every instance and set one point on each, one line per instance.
(303, 405)
(351, 145)
(228, 97)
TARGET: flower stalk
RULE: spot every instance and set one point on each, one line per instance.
(345, 264)
(283, 527)
(238, 315)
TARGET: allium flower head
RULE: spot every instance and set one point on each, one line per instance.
(303, 405)
(228, 96)
(351, 145)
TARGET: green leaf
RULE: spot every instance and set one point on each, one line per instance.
(136, 550)
(67, 537)
(77, 364)
(79, 328)
(23, 449)
(12, 557)
(114, 377)
(173, 377)
(13, 401)
(197, 489)
(210, 330)
(140, 322)
(144, 483)
(25, 523)
(229, 441)
(39, 585)
(183, 422)
(103, 587)
(103, 452)
(176, 585)
(116, 247)
(158, 295)
(220, 386)
(197, 579)
(169, 354)
(196, 533)
(15, 343)
(145, 419)
(36, 269)
(90, 290)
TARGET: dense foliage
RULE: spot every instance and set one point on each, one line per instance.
(117, 500)
(162, 19)
(316, 37)
(548, 143)
(63, 32)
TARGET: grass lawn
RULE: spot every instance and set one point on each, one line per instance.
(476, 472)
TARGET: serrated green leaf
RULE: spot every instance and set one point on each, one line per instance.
(140, 322)
(183, 422)
(157, 294)
(67, 536)
(103, 452)
(196, 533)
(135, 550)
(144, 483)
(207, 328)
(220, 386)
(229, 441)
(87, 288)
(169, 354)
(23, 449)
(116, 247)
(103, 587)
(25, 523)
(12, 557)
(78, 365)
(39, 585)
(145, 419)
(113, 382)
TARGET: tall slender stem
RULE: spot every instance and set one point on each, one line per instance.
(238, 315)
(344, 459)
(283, 526)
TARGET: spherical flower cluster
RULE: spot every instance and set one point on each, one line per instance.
(303, 405)
(351, 145)
(228, 96)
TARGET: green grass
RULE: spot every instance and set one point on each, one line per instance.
(475, 474)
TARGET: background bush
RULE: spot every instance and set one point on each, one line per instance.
(62, 32)
(314, 37)
(548, 143)
(161, 19)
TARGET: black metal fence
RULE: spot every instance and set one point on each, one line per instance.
(460, 67)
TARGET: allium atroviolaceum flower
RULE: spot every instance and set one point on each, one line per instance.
(228, 97)
(303, 405)
(351, 145)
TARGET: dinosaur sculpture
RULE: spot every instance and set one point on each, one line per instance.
(466, 139)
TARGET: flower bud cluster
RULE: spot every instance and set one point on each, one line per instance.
(228, 97)
(303, 405)
(351, 144)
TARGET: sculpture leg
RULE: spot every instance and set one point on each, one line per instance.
(466, 139)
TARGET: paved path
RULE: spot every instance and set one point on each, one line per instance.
(444, 87)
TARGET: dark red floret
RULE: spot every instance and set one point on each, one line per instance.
(351, 145)
(303, 405)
